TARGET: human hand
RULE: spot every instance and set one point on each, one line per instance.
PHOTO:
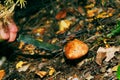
(8, 31)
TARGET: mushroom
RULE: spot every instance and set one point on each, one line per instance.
(75, 49)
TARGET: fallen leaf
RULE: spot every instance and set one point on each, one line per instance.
(20, 64)
(2, 74)
(115, 67)
(109, 52)
(92, 12)
(21, 45)
(61, 14)
(39, 30)
(90, 6)
(99, 57)
(104, 15)
(81, 11)
(23, 68)
(41, 73)
(51, 71)
(63, 26)
(74, 77)
(88, 76)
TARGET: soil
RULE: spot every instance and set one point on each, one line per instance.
(38, 20)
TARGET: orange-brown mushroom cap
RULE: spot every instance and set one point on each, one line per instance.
(75, 49)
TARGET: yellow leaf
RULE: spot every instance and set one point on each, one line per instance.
(51, 72)
(90, 6)
(115, 68)
(91, 13)
(20, 64)
(41, 73)
(63, 26)
(21, 45)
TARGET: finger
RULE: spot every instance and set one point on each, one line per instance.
(12, 31)
(4, 35)
(12, 27)
(12, 36)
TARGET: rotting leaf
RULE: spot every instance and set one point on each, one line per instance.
(29, 40)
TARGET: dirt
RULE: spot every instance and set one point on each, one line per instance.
(53, 65)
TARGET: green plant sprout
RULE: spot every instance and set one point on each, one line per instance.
(118, 72)
(115, 31)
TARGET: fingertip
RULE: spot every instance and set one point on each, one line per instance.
(12, 37)
(12, 27)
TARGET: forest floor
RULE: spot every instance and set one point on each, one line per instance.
(59, 22)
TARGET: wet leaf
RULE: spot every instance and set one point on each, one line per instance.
(43, 45)
(2, 74)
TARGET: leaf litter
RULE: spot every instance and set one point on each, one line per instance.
(50, 29)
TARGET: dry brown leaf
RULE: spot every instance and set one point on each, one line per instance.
(99, 57)
(109, 52)
(63, 26)
(2, 74)
(41, 73)
(61, 14)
